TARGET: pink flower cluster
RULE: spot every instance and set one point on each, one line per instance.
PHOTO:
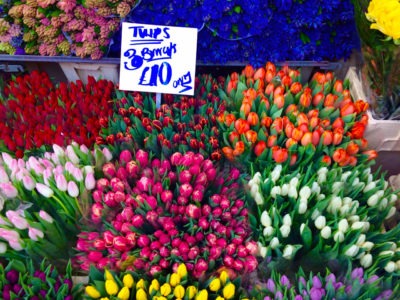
(162, 212)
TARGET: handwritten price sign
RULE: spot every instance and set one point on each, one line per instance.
(159, 59)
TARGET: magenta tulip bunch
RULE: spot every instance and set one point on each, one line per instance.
(153, 213)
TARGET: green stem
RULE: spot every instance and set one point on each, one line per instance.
(61, 204)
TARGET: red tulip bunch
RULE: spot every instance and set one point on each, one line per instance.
(153, 213)
(36, 113)
(181, 123)
(272, 116)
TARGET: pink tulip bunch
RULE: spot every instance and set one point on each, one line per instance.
(154, 213)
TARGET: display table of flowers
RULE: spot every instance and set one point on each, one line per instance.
(256, 187)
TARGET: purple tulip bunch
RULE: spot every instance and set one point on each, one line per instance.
(153, 213)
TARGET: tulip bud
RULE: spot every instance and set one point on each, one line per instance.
(215, 285)
(366, 261)
(338, 236)
(326, 232)
(44, 190)
(275, 191)
(287, 220)
(72, 155)
(288, 252)
(90, 181)
(179, 292)
(274, 243)
(124, 293)
(391, 213)
(8, 190)
(320, 222)
(174, 280)
(258, 198)
(141, 294)
(182, 270)
(390, 267)
(73, 189)
(265, 219)
(191, 291)
(202, 295)
(3, 248)
(352, 251)
(229, 291)
(305, 192)
(35, 234)
(285, 231)
(165, 289)
(92, 292)
(28, 182)
(268, 231)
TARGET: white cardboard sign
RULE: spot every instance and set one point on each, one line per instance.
(158, 59)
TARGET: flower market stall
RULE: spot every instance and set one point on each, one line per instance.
(260, 185)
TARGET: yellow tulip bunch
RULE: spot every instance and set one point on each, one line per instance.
(385, 17)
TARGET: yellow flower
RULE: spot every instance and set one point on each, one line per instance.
(128, 280)
(179, 292)
(111, 287)
(141, 284)
(229, 291)
(165, 289)
(141, 294)
(385, 16)
(108, 275)
(124, 293)
(154, 286)
(215, 285)
(202, 295)
(191, 291)
(220, 298)
(92, 292)
(223, 277)
(182, 270)
(159, 298)
(105, 298)
(175, 279)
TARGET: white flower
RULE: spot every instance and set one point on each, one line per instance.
(268, 231)
(347, 200)
(353, 218)
(338, 236)
(357, 225)
(285, 230)
(58, 150)
(302, 207)
(380, 193)
(274, 243)
(321, 197)
(302, 226)
(288, 252)
(257, 178)
(337, 187)
(345, 209)
(320, 222)
(275, 191)
(285, 189)
(287, 220)
(343, 225)
(370, 186)
(254, 190)
(276, 173)
(391, 213)
(335, 204)
(44, 190)
(393, 198)
(259, 199)
(321, 178)
(383, 204)
(250, 183)
(294, 181)
(323, 170)
(367, 245)
(3, 247)
(390, 267)
(316, 213)
(356, 181)
(386, 252)
(352, 251)
(366, 260)
(361, 239)
(292, 191)
(262, 251)
(345, 175)
(72, 155)
(315, 188)
(265, 219)
(326, 232)
(370, 178)
(385, 185)
(305, 192)
(373, 200)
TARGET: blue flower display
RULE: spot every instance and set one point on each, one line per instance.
(241, 31)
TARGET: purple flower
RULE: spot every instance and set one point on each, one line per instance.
(330, 278)
(316, 293)
(303, 281)
(372, 279)
(298, 297)
(348, 289)
(357, 273)
(338, 285)
(316, 282)
(12, 276)
(267, 298)
(278, 295)
(271, 285)
(285, 281)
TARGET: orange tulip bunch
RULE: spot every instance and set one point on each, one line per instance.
(271, 115)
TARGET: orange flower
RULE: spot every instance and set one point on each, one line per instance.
(314, 122)
(372, 154)
(253, 119)
(357, 131)
(279, 100)
(293, 159)
(327, 137)
(272, 140)
(352, 148)
(289, 129)
(364, 119)
(364, 144)
(286, 80)
(352, 161)
(297, 134)
(228, 152)
(338, 123)
(292, 108)
(229, 119)
(270, 67)
(306, 139)
(250, 94)
(259, 74)
(326, 159)
(330, 100)
(305, 99)
(264, 101)
(259, 148)
(241, 126)
(313, 113)
(248, 71)
(251, 136)
(361, 106)
(269, 76)
(329, 76)
(290, 142)
(279, 90)
(319, 77)
(315, 138)
(296, 88)
(303, 127)
(279, 154)
(325, 123)
(318, 98)
(245, 107)
(266, 121)
(348, 109)
(341, 157)
(337, 138)
(239, 148)
(302, 118)
(269, 88)
(232, 84)
(277, 124)
(338, 86)
(235, 76)
(234, 137)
